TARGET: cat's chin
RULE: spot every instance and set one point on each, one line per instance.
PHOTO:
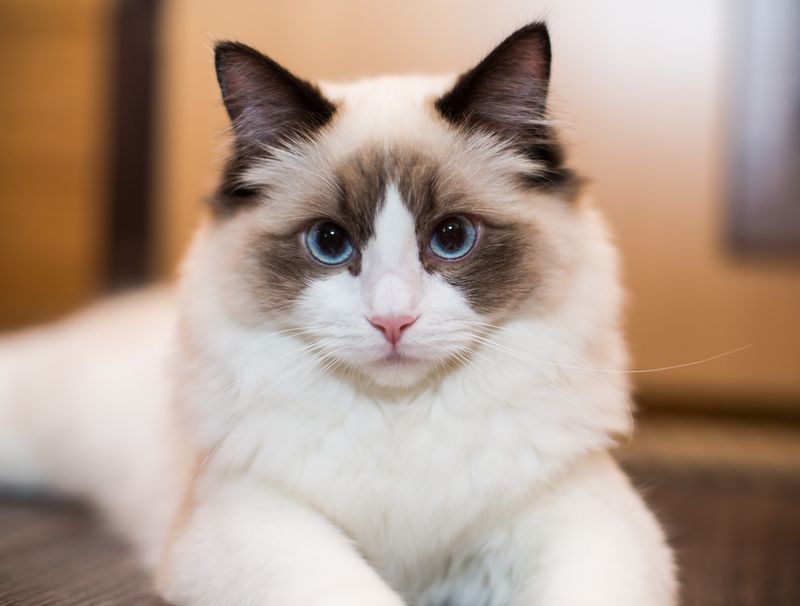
(397, 371)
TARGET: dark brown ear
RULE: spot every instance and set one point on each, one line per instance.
(506, 94)
(508, 88)
(268, 107)
(266, 103)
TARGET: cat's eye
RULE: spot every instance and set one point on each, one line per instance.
(453, 237)
(329, 243)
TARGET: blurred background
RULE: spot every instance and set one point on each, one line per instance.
(684, 114)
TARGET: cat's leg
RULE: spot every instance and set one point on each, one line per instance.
(592, 541)
(244, 544)
(588, 540)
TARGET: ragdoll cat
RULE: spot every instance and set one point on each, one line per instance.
(389, 380)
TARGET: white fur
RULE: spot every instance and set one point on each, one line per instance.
(84, 410)
(340, 478)
(391, 272)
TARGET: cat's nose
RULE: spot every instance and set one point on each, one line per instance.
(392, 327)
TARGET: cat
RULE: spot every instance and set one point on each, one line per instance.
(382, 379)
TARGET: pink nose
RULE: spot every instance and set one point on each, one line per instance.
(392, 327)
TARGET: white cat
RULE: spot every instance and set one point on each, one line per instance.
(390, 377)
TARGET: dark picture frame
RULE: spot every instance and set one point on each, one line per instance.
(764, 180)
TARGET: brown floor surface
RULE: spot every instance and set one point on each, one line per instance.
(58, 554)
(737, 536)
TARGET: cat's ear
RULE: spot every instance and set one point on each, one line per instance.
(267, 104)
(505, 93)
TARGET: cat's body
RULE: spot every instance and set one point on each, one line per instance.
(389, 383)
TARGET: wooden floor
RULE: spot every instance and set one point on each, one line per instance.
(57, 554)
(736, 532)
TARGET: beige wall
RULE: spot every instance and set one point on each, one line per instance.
(52, 115)
(641, 90)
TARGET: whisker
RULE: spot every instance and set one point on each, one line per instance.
(609, 370)
(274, 335)
(231, 422)
(567, 388)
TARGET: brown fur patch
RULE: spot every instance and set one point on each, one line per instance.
(508, 265)
(499, 272)
(283, 267)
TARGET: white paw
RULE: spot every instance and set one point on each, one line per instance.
(359, 597)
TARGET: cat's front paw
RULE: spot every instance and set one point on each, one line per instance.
(359, 597)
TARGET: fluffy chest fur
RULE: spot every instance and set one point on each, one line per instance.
(412, 482)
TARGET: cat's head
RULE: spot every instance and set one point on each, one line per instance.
(389, 224)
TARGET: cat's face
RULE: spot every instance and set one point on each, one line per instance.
(391, 223)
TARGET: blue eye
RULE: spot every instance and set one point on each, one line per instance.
(329, 243)
(453, 237)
